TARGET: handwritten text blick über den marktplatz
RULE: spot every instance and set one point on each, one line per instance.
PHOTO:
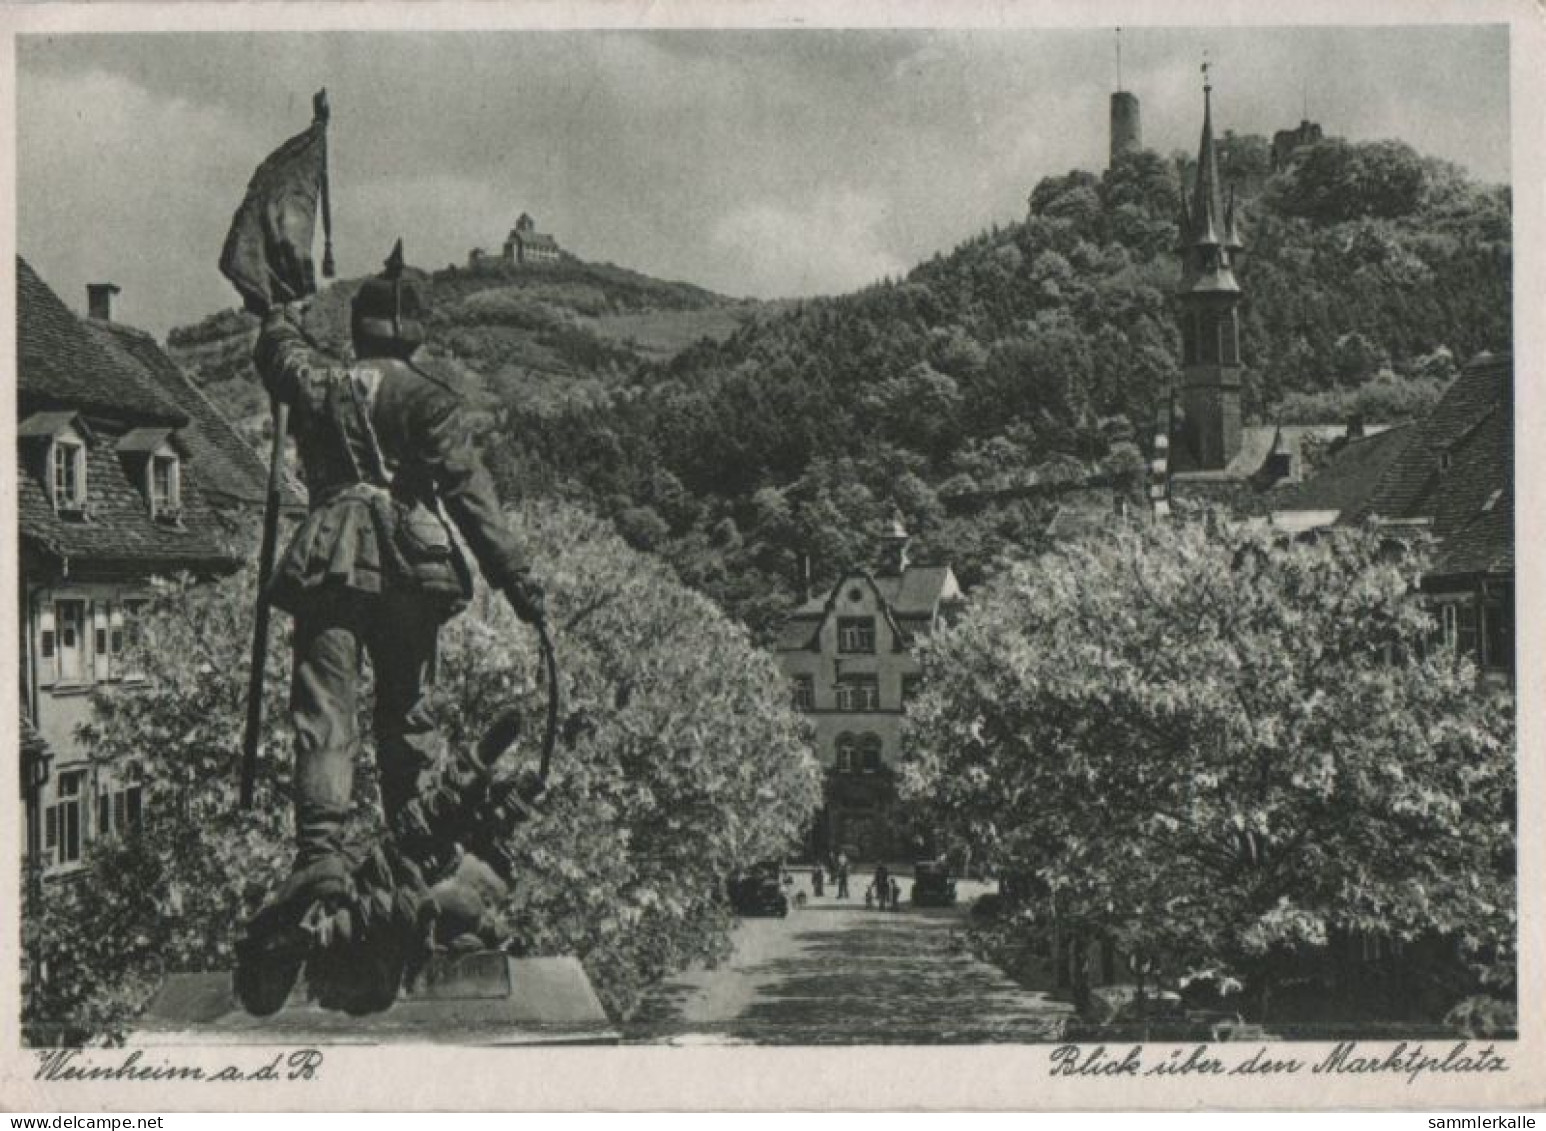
(1404, 1059)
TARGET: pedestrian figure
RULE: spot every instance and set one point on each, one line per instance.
(842, 876)
(882, 885)
(869, 896)
(818, 881)
(896, 894)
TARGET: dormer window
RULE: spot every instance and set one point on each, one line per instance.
(55, 447)
(153, 458)
(69, 474)
(165, 487)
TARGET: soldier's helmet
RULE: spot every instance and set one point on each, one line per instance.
(389, 312)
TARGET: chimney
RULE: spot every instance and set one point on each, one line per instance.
(99, 300)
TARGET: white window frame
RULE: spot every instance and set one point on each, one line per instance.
(74, 802)
(67, 453)
(856, 635)
(83, 673)
(803, 693)
(169, 505)
(123, 635)
(858, 693)
(124, 808)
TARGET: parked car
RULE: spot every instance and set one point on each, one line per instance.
(759, 890)
(933, 885)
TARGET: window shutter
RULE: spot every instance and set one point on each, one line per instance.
(51, 828)
(115, 634)
(104, 815)
(48, 646)
(121, 810)
(99, 649)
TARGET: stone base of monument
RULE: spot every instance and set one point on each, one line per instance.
(475, 999)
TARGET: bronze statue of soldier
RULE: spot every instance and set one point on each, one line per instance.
(373, 571)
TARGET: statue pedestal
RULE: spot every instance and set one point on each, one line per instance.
(476, 999)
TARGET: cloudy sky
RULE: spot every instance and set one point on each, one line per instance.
(764, 163)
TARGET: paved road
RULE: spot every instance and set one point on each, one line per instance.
(837, 973)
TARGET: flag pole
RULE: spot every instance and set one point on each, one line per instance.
(272, 505)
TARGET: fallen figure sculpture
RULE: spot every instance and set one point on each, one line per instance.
(430, 883)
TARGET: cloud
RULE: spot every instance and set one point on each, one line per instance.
(116, 185)
(752, 162)
(831, 244)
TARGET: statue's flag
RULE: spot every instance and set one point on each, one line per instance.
(267, 253)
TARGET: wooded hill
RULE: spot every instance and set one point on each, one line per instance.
(1034, 352)
(527, 326)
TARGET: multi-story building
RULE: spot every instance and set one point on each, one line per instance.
(849, 657)
(126, 471)
(1453, 479)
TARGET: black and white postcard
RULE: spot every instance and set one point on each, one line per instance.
(778, 556)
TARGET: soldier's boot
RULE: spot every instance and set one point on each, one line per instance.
(361, 950)
(274, 943)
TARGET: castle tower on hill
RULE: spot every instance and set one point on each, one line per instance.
(1126, 123)
(1210, 311)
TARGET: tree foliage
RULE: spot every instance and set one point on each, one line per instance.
(1219, 750)
(685, 763)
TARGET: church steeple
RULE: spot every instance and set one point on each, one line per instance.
(1210, 322)
(1207, 228)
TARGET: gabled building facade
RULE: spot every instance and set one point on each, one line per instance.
(125, 472)
(1453, 479)
(848, 655)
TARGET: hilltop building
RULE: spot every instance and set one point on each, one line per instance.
(524, 245)
(1126, 125)
(848, 655)
(126, 471)
(1286, 142)
(1126, 121)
